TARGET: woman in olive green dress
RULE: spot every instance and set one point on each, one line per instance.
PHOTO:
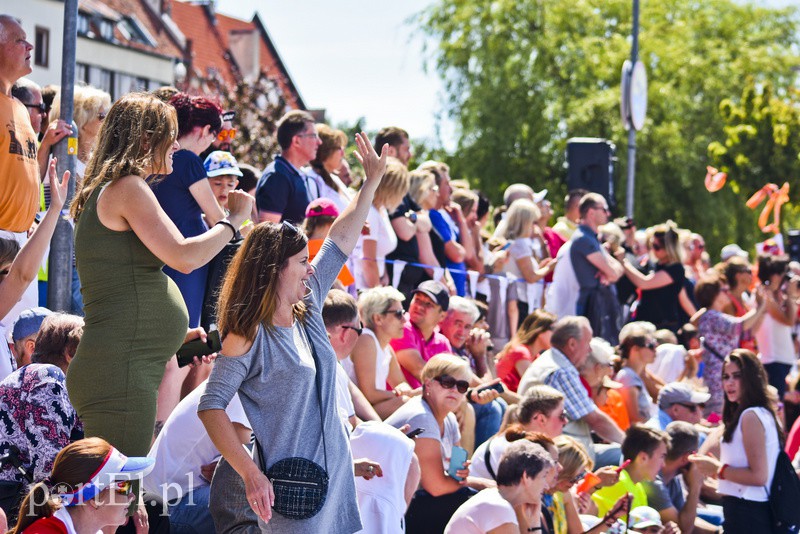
(135, 315)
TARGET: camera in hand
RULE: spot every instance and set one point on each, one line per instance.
(198, 348)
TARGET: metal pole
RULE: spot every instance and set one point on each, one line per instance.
(59, 281)
(632, 131)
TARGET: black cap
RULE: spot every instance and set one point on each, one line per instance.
(436, 291)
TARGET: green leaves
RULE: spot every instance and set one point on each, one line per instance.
(523, 76)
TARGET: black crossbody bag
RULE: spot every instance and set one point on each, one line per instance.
(300, 485)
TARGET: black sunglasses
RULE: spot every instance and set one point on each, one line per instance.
(357, 329)
(691, 407)
(448, 382)
(399, 313)
(42, 108)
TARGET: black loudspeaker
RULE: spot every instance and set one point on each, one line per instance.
(794, 245)
(590, 166)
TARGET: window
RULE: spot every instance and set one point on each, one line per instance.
(81, 72)
(83, 24)
(41, 48)
(107, 29)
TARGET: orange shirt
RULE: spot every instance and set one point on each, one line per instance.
(615, 409)
(19, 170)
(345, 277)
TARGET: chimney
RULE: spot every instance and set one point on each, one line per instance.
(166, 7)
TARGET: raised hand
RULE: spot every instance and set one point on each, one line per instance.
(58, 189)
(240, 206)
(374, 165)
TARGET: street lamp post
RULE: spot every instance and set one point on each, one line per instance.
(632, 131)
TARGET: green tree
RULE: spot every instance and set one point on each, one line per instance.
(523, 76)
(258, 106)
(761, 144)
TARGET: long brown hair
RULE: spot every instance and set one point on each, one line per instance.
(752, 392)
(535, 324)
(249, 295)
(74, 465)
(134, 139)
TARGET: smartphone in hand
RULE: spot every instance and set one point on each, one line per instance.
(197, 348)
(458, 458)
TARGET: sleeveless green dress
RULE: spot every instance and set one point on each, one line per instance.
(135, 321)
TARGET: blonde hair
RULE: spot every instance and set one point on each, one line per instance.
(444, 364)
(519, 217)
(668, 234)
(393, 186)
(88, 103)
(420, 183)
(572, 457)
(134, 139)
(376, 301)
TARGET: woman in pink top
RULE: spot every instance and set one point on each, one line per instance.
(532, 338)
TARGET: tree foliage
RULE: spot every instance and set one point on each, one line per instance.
(761, 144)
(523, 76)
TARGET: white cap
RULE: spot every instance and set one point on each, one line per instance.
(643, 517)
(729, 251)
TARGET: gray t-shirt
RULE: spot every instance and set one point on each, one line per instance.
(661, 496)
(275, 382)
(628, 378)
(418, 414)
(584, 242)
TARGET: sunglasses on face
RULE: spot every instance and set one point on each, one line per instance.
(577, 478)
(122, 487)
(357, 329)
(649, 345)
(41, 108)
(657, 246)
(691, 407)
(226, 135)
(102, 115)
(399, 313)
(448, 382)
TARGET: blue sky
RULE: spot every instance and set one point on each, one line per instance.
(354, 58)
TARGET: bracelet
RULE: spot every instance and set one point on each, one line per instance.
(534, 529)
(226, 222)
(469, 395)
(721, 472)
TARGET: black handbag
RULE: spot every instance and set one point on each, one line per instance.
(300, 485)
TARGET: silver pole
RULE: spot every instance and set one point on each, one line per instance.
(632, 131)
(59, 281)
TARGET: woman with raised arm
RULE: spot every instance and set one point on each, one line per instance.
(135, 316)
(276, 354)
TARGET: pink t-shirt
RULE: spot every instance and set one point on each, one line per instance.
(412, 339)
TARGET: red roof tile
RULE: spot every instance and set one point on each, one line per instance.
(208, 47)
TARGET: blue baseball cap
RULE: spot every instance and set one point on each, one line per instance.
(29, 322)
(221, 163)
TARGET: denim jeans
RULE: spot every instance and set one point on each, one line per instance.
(488, 418)
(191, 515)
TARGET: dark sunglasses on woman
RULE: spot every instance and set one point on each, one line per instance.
(448, 382)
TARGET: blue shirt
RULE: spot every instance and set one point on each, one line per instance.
(174, 196)
(282, 189)
(449, 233)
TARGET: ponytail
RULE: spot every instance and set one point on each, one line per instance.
(37, 504)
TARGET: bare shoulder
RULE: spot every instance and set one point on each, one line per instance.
(235, 345)
(364, 348)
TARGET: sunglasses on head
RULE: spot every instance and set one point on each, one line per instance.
(448, 382)
(225, 135)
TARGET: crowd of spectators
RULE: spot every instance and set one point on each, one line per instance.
(446, 365)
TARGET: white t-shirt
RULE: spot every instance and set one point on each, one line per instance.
(344, 402)
(383, 359)
(183, 447)
(62, 514)
(484, 512)
(669, 363)
(380, 231)
(522, 248)
(381, 500)
(497, 446)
